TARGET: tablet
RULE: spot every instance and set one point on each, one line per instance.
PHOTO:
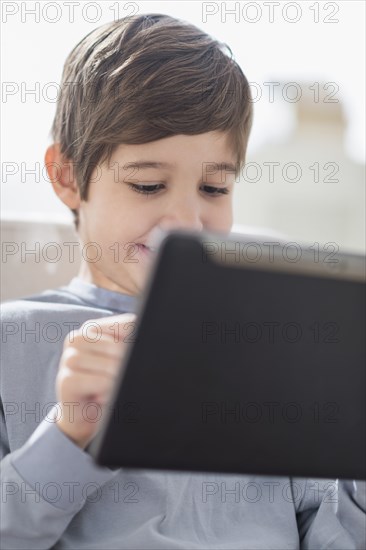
(247, 357)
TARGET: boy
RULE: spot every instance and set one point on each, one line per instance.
(150, 110)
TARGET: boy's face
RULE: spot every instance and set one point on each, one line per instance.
(185, 192)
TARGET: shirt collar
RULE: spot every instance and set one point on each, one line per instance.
(101, 297)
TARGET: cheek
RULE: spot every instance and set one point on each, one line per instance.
(102, 224)
(103, 206)
(222, 214)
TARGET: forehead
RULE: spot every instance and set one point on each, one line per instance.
(179, 151)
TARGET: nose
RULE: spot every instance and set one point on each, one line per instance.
(183, 215)
(167, 225)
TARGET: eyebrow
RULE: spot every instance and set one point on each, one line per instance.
(141, 164)
(147, 164)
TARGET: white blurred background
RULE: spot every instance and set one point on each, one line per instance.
(305, 175)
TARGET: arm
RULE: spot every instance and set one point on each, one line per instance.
(332, 515)
(45, 482)
(43, 485)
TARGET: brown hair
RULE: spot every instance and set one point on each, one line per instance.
(143, 78)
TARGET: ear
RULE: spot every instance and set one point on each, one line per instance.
(61, 174)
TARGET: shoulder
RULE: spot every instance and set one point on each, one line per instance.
(47, 303)
(49, 315)
(54, 301)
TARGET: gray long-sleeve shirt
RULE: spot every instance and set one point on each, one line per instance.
(54, 496)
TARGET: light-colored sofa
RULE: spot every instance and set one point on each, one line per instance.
(34, 256)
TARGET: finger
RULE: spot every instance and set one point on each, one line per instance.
(99, 344)
(121, 327)
(89, 385)
(92, 363)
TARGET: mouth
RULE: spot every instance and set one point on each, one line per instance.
(147, 249)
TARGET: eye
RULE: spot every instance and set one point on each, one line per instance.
(216, 191)
(145, 189)
(152, 189)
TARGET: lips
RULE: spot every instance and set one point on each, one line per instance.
(146, 248)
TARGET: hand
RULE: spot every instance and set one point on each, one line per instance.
(88, 369)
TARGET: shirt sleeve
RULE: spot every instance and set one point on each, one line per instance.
(44, 484)
(332, 515)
